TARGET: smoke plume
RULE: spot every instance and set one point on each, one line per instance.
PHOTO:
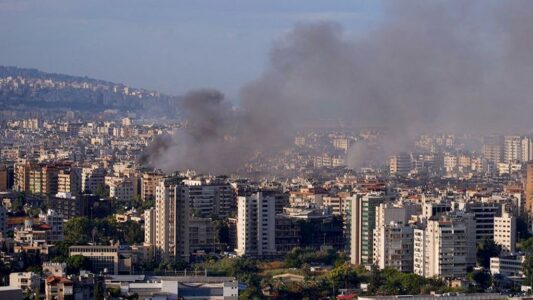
(428, 66)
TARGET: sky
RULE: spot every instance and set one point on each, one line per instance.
(168, 46)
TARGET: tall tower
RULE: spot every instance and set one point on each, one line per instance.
(493, 149)
(172, 220)
(529, 188)
(363, 223)
(512, 150)
(256, 225)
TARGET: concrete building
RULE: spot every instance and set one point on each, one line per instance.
(172, 220)
(393, 237)
(3, 178)
(26, 281)
(55, 221)
(529, 189)
(400, 164)
(505, 232)
(92, 179)
(510, 265)
(445, 247)
(512, 150)
(58, 287)
(493, 149)
(202, 235)
(56, 269)
(149, 183)
(122, 188)
(69, 206)
(527, 149)
(3, 220)
(176, 287)
(113, 259)
(22, 176)
(69, 181)
(362, 224)
(11, 293)
(256, 225)
(484, 215)
(435, 209)
(211, 197)
(150, 226)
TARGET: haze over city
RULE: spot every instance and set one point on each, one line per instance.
(266, 149)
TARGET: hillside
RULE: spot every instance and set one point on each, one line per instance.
(27, 89)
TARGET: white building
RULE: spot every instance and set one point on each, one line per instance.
(27, 281)
(512, 150)
(507, 265)
(450, 162)
(256, 225)
(393, 237)
(176, 287)
(121, 188)
(55, 269)
(445, 247)
(400, 164)
(505, 232)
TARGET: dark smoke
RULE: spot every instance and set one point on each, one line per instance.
(457, 66)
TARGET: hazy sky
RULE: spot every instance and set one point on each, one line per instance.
(170, 46)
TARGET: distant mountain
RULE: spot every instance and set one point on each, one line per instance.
(27, 89)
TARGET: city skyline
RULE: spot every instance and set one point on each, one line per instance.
(170, 47)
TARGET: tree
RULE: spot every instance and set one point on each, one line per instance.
(132, 233)
(98, 290)
(522, 229)
(482, 279)
(76, 263)
(375, 280)
(343, 276)
(114, 292)
(78, 230)
(485, 251)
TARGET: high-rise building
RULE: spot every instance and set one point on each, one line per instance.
(211, 197)
(393, 247)
(393, 237)
(3, 178)
(92, 179)
(527, 149)
(149, 226)
(362, 224)
(256, 225)
(149, 183)
(505, 232)
(55, 221)
(122, 188)
(22, 177)
(69, 181)
(444, 248)
(493, 149)
(529, 189)
(400, 164)
(484, 214)
(512, 150)
(172, 220)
